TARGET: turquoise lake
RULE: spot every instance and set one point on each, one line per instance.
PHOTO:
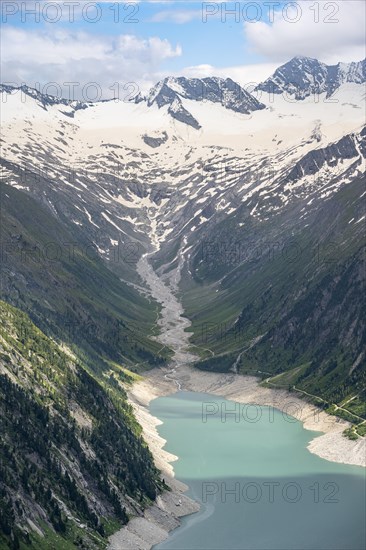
(258, 486)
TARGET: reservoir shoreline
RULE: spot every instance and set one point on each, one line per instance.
(163, 516)
(331, 445)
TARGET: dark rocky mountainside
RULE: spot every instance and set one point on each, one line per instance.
(303, 76)
(226, 92)
(73, 464)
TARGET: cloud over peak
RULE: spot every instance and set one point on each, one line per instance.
(330, 31)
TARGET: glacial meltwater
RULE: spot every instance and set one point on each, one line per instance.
(258, 486)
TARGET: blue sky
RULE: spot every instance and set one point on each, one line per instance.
(141, 42)
(216, 40)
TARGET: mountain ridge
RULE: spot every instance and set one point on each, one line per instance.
(215, 87)
(303, 76)
(300, 77)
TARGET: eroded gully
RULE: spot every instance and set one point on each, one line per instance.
(172, 324)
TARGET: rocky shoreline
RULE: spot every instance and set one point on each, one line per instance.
(161, 518)
(141, 533)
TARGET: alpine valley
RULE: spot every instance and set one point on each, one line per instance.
(199, 223)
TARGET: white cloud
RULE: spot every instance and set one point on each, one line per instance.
(329, 31)
(64, 56)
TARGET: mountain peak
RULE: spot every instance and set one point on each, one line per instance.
(303, 76)
(172, 90)
(303, 58)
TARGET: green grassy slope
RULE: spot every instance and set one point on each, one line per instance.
(276, 296)
(49, 271)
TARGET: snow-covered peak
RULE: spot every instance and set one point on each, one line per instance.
(303, 76)
(226, 92)
(218, 90)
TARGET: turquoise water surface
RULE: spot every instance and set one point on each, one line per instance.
(258, 486)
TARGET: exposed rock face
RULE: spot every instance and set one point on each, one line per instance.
(346, 148)
(303, 76)
(226, 92)
(155, 141)
(177, 111)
